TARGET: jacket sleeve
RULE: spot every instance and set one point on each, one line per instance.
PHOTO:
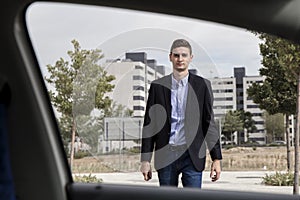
(212, 136)
(147, 135)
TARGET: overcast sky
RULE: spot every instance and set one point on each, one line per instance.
(217, 48)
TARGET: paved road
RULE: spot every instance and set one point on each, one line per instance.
(250, 181)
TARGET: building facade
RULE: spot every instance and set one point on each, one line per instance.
(133, 75)
(257, 114)
(224, 90)
(230, 93)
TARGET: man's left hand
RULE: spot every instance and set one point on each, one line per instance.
(215, 172)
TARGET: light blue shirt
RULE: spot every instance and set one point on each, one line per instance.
(179, 92)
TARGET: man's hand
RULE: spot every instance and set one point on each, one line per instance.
(215, 170)
(146, 170)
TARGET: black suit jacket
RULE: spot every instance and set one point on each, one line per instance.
(199, 125)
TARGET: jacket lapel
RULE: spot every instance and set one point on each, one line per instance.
(192, 114)
(167, 94)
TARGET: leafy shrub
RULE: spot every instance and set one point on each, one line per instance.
(135, 150)
(279, 179)
(81, 154)
(87, 179)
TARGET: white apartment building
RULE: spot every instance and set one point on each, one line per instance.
(257, 113)
(291, 127)
(224, 91)
(230, 93)
(133, 77)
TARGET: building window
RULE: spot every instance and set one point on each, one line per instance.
(223, 99)
(138, 78)
(239, 85)
(151, 73)
(138, 98)
(139, 67)
(252, 106)
(223, 91)
(259, 122)
(257, 114)
(249, 98)
(222, 83)
(138, 108)
(223, 107)
(137, 87)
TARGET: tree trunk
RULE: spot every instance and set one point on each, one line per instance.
(72, 143)
(231, 138)
(296, 173)
(288, 143)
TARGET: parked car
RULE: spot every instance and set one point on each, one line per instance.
(32, 159)
(278, 142)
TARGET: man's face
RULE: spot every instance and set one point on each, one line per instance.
(180, 58)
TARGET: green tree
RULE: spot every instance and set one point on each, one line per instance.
(248, 122)
(289, 58)
(279, 93)
(232, 122)
(90, 127)
(79, 86)
(118, 110)
(274, 125)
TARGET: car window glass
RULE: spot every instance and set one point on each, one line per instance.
(98, 64)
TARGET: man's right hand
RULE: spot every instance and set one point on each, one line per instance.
(146, 170)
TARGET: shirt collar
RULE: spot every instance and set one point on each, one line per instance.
(183, 81)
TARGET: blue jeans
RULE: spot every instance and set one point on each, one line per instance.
(190, 177)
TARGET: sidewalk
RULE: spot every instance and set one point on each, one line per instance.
(248, 181)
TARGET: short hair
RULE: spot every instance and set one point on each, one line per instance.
(181, 43)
